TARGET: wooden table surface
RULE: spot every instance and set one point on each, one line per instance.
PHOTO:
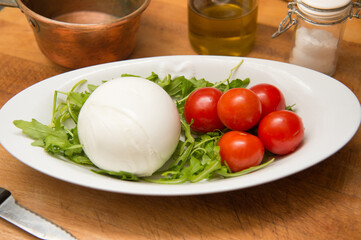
(322, 202)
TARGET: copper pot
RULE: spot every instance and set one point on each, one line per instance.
(79, 33)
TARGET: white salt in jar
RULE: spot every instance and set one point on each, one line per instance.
(320, 25)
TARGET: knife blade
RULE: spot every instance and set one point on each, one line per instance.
(29, 221)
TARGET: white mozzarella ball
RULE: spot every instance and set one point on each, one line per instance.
(129, 124)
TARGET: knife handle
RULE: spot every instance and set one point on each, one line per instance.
(4, 194)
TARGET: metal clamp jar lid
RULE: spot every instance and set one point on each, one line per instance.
(322, 12)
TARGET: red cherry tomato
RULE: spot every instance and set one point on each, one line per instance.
(201, 106)
(271, 98)
(240, 150)
(281, 131)
(239, 109)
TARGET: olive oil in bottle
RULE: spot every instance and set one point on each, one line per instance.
(222, 27)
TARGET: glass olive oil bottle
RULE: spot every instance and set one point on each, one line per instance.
(222, 27)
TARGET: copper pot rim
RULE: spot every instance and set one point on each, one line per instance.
(28, 12)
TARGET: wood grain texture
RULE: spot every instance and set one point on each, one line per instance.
(322, 202)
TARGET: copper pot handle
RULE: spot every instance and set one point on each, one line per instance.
(9, 3)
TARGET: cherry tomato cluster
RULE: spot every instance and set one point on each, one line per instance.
(261, 107)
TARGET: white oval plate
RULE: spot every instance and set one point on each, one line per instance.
(330, 111)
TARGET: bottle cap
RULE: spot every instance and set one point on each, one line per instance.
(325, 9)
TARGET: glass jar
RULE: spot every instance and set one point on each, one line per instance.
(319, 31)
(222, 27)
